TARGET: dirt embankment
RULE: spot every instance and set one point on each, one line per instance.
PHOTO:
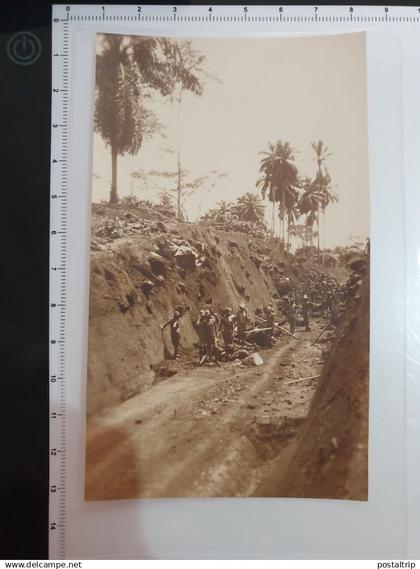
(137, 280)
(206, 431)
(332, 452)
(296, 426)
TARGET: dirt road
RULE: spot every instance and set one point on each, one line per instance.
(206, 431)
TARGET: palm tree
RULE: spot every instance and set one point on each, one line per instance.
(308, 203)
(249, 207)
(267, 181)
(321, 154)
(291, 211)
(299, 232)
(279, 177)
(223, 211)
(328, 196)
(127, 70)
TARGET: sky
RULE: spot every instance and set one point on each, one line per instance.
(296, 89)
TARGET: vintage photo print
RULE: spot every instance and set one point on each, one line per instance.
(228, 350)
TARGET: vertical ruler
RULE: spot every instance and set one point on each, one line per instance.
(58, 293)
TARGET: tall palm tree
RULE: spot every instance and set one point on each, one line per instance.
(328, 196)
(249, 207)
(291, 211)
(299, 232)
(268, 182)
(128, 69)
(308, 203)
(279, 177)
(119, 113)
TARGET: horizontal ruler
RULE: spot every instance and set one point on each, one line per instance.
(252, 14)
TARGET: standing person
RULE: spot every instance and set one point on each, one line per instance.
(173, 323)
(328, 301)
(209, 332)
(291, 314)
(199, 328)
(259, 316)
(242, 319)
(306, 312)
(334, 314)
(269, 322)
(216, 317)
(227, 325)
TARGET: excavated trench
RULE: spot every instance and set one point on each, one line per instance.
(217, 431)
(270, 440)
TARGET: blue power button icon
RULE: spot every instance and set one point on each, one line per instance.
(24, 48)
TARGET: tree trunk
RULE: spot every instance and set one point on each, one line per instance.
(280, 224)
(282, 216)
(131, 177)
(179, 189)
(272, 218)
(179, 178)
(318, 229)
(113, 196)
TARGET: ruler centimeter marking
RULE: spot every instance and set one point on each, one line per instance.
(350, 14)
(58, 278)
(152, 16)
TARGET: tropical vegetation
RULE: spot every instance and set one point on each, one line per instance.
(296, 195)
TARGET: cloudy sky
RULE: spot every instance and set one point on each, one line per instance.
(298, 89)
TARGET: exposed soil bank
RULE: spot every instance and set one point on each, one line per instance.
(332, 453)
(225, 430)
(136, 282)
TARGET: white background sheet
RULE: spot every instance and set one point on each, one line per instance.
(387, 525)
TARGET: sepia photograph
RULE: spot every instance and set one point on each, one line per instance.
(228, 332)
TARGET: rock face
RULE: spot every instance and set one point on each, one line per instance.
(331, 460)
(136, 282)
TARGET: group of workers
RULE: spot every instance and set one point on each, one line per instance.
(230, 326)
(222, 332)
